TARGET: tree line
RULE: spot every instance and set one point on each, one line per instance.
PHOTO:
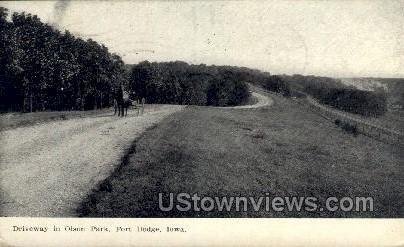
(333, 92)
(42, 68)
(182, 83)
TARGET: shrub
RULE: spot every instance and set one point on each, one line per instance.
(349, 128)
(277, 84)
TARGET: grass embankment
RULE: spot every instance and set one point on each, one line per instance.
(17, 119)
(284, 149)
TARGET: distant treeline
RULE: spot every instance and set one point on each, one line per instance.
(44, 69)
(333, 92)
(394, 88)
(260, 78)
(182, 83)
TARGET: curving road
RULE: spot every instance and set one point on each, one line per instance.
(262, 100)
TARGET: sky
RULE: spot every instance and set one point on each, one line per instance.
(326, 38)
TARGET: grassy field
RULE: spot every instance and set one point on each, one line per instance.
(283, 150)
(393, 119)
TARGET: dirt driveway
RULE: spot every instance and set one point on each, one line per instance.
(47, 169)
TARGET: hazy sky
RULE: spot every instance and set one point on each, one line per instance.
(334, 38)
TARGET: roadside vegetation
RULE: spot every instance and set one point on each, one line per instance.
(348, 127)
(12, 120)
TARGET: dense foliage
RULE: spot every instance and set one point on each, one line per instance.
(332, 92)
(263, 79)
(394, 89)
(44, 69)
(182, 83)
(276, 84)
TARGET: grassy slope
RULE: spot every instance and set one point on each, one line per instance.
(284, 150)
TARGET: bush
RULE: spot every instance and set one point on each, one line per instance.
(276, 84)
(240, 93)
(227, 92)
(349, 128)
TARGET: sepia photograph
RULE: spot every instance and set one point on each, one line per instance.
(201, 109)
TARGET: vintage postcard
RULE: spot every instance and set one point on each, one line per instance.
(134, 123)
